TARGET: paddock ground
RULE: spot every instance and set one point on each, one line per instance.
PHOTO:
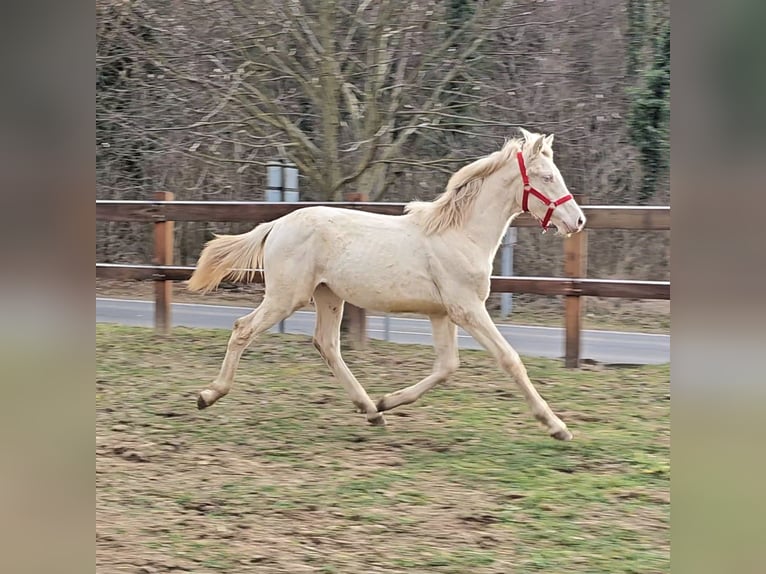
(283, 476)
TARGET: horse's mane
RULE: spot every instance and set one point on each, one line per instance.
(449, 210)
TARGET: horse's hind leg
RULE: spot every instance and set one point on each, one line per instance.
(329, 311)
(447, 362)
(272, 310)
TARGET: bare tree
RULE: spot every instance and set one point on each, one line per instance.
(382, 98)
(338, 87)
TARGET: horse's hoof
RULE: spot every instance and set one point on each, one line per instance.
(201, 404)
(381, 405)
(378, 420)
(562, 434)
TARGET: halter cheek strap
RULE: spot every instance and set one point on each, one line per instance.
(528, 189)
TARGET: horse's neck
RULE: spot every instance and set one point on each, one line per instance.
(491, 214)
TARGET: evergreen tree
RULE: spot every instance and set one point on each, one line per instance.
(650, 115)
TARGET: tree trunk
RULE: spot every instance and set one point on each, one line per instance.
(353, 325)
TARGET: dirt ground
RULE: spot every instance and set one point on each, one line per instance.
(282, 475)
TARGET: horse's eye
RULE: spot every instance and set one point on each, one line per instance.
(548, 178)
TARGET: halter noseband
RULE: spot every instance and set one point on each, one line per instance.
(529, 189)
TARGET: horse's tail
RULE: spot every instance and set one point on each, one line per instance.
(237, 256)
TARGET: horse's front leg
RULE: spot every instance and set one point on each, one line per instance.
(479, 324)
(447, 362)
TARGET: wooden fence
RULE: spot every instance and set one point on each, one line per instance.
(164, 211)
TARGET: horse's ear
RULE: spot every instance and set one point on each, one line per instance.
(528, 136)
(549, 140)
(537, 147)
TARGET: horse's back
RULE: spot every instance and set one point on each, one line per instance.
(340, 225)
(335, 215)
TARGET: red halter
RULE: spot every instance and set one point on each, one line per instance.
(529, 189)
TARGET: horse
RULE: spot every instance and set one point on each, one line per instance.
(435, 259)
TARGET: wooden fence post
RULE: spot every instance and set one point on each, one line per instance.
(163, 255)
(575, 266)
(354, 320)
(357, 325)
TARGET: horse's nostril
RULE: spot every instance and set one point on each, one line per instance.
(580, 222)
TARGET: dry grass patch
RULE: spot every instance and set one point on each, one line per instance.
(283, 476)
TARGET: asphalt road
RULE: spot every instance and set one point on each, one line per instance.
(602, 346)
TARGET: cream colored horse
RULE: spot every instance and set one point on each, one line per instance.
(435, 260)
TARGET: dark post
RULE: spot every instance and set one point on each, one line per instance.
(354, 321)
(163, 255)
(575, 267)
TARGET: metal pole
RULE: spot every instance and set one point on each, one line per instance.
(506, 269)
(273, 181)
(386, 326)
(274, 193)
(290, 183)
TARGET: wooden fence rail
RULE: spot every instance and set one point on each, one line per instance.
(163, 212)
(579, 287)
(599, 216)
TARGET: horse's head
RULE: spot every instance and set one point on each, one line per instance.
(545, 195)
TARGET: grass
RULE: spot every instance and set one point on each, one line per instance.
(283, 476)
